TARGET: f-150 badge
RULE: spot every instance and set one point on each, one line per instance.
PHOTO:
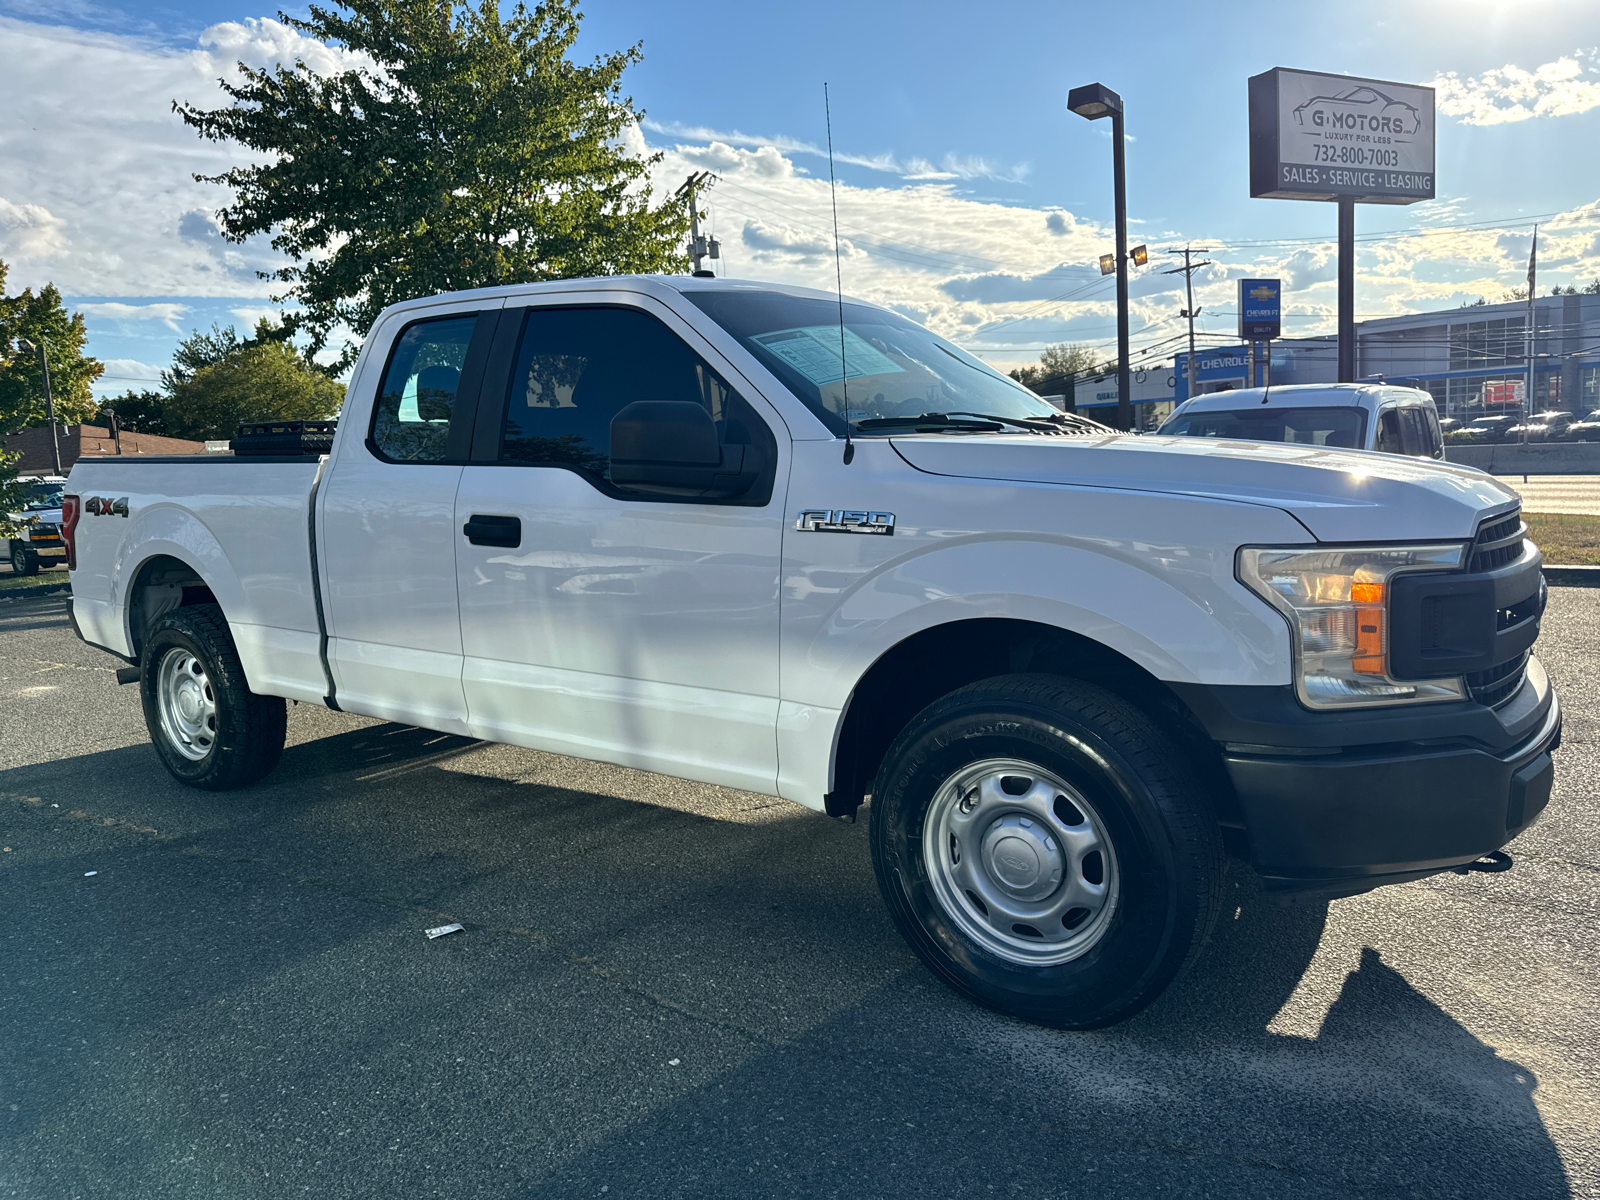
(844, 520)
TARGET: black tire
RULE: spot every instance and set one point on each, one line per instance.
(240, 735)
(23, 560)
(1161, 832)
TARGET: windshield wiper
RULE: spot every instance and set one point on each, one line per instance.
(931, 421)
(1057, 423)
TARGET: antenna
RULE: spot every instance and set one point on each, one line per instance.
(838, 278)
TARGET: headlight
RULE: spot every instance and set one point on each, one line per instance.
(1337, 603)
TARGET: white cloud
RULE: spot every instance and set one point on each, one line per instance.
(30, 230)
(98, 194)
(249, 316)
(125, 375)
(167, 314)
(951, 166)
(1510, 93)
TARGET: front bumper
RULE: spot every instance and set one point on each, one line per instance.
(1334, 816)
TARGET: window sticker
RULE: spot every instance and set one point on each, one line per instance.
(814, 351)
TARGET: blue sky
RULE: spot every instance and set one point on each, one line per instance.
(971, 198)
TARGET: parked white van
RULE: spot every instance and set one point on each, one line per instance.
(1350, 416)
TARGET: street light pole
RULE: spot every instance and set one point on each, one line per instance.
(1093, 101)
(49, 404)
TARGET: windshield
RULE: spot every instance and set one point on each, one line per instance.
(892, 367)
(1342, 427)
(44, 495)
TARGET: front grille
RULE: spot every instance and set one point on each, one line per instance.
(1499, 542)
(1499, 683)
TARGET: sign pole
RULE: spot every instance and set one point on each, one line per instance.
(1347, 290)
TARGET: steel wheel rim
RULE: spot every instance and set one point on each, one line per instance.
(187, 704)
(1013, 870)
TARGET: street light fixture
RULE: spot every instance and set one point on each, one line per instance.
(1093, 101)
(28, 347)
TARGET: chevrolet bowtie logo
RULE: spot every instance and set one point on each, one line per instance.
(1263, 293)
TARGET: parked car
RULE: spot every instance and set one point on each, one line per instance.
(38, 543)
(1491, 429)
(1061, 661)
(1585, 430)
(1352, 416)
(1448, 425)
(1542, 427)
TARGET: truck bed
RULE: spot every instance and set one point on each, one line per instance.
(242, 524)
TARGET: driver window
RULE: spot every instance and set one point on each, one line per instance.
(578, 367)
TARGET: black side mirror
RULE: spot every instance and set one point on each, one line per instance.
(670, 448)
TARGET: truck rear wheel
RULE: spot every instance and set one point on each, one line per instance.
(209, 728)
(1040, 846)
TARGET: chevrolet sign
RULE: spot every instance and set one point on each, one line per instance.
(1260, 311)
(1328, 137)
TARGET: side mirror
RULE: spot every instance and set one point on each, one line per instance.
(670, 448)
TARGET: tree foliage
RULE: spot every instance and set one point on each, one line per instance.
(198, 351)
(257, 382)
(41, 318)
(139, 411)
(1057, 363)
(469, 152)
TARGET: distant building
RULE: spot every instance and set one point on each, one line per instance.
(87, 441)
(1473, 360)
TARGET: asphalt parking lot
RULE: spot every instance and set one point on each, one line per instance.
(670, 990)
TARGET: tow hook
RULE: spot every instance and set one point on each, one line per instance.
(1491, 864)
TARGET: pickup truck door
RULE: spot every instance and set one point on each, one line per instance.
(594, 622)
(386, 524)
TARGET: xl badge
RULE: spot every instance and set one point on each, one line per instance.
(845, 520)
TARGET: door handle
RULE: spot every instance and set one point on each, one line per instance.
(484, 530)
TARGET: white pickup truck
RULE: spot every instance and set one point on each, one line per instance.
(737, 533)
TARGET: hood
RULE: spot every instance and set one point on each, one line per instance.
(1339, 495)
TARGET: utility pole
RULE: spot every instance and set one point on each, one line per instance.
(1188, 269)
(49, 404)
(699, 247)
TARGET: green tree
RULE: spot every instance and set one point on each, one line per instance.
(42, 319)
(262, 382)
(139, 412)
(472, 153)
(198, 351)
(1057, 364)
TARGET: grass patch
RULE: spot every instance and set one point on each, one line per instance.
(56, 575)
(1565, 538)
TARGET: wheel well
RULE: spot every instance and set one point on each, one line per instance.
(937, 661)
(162, 584)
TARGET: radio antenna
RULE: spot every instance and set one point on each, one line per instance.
(838, 278)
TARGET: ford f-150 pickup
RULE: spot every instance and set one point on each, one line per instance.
(754, 536)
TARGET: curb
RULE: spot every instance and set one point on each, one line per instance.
(1560, 576)
(37, 589)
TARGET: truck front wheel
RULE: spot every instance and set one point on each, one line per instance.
(23, 560)
(1041, 846)
(209, 728)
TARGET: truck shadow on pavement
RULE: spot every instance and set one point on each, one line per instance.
(663, 1004)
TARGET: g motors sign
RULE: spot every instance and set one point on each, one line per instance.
(1329, 137)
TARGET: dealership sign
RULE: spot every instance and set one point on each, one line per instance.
(1330, 137)
(1260, 309)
